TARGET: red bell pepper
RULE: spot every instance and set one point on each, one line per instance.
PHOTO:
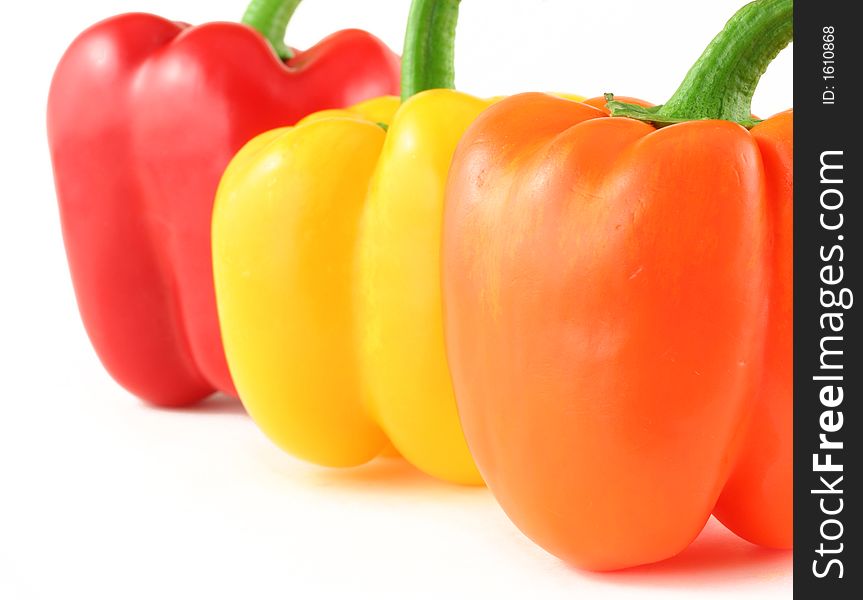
(143, 116)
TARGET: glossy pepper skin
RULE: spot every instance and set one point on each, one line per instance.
(617, 304)
(143, 116)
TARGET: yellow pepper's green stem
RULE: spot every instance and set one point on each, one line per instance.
(429, 49)
(270, 18)
(721, 83)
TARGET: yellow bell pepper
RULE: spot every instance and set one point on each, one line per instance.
(326, 248)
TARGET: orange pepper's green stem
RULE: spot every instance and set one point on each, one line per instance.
(270, 18)
(429, 49)
(721, 83)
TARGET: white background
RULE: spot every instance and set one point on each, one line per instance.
(103, 497)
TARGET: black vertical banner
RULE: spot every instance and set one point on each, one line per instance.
(828, 225)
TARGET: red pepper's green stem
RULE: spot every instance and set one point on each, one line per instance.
(270, 18)
(721, 83)
(429, 51)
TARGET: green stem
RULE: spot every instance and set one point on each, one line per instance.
(270, 18)
(721, 83)
(429, 50)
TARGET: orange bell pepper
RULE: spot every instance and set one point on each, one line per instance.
(617, 297)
